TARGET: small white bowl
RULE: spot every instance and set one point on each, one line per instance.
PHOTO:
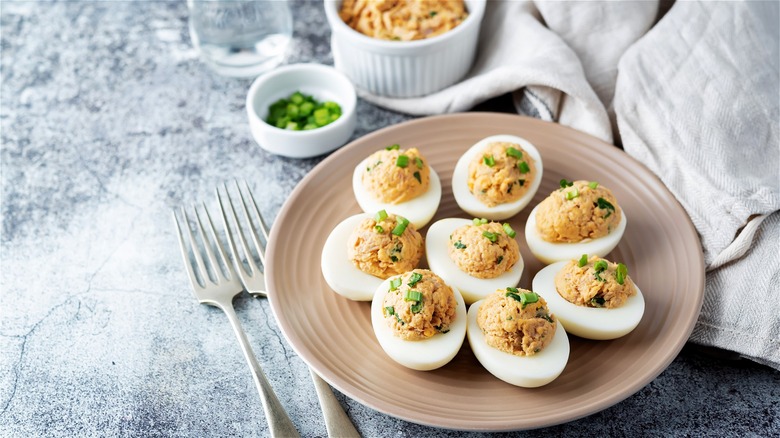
(405, 68)
(323, 83)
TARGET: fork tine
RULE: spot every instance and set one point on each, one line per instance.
(252, 232)
(185, 253)
(204, 273)
(220, 250)
(263, 226)
(218, 274)
(244, 246)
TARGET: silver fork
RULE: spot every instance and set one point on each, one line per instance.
(219, 291)
(337, 422)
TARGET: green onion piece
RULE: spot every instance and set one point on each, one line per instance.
(512, 289)
(393, 258)
(416, 277)
(508, 230)
(380, 216)
(400, 226)
(478, 221)
(402, 161)
(523, 167)
(433, 13)
(597, 302)
(417, 308)
(389, 311)
(379, 229)
(395, 283)
(528, 298)
(493, 237)
(621, 273)
(513, 295)
(521, 182)
(417, 177)
(418, 162)
(593, 184)
(393, 147)
(572, 194)
(459, 245)
(565, 183)
(605, 205)
(413, 295)
(398, 318)
(489, 160)
(499, 260)
(583, 260)
(600, 266)
(512, 152)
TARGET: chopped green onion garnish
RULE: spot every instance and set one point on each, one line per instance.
(583, 260)
(301, 112)
(508, 230)
(523, 167)
(524, 298)
(593, 184)
(395, 283)
(478, 221)
(565, 183)
(490, 236)
(499, 260)
(545, 317)
(512, 152)
(572, 194)
(621, 273)
(398, 318)
(393, 258)
(605, 205)
(400, 226)
(459, 245)
(389, 311)
(417, 308)
(600, 266)
(512, 289)
(393, 147)
(413, 295)
(379, 229)
(521, 182)
(416, 276)
(402, 161)
(433, 13)
(597, 302)
(489, 160)
(418, 162)
(380, 216)
(417, 177)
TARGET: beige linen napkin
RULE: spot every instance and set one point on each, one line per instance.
(695, 97)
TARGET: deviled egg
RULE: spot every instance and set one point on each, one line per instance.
(418, 319)
(497, 177)
(363, 250)
(581, 217)
(593, 297)
(476, 256)
(516, 338)
(400, 182)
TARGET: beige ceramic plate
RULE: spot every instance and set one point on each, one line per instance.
(334, 336)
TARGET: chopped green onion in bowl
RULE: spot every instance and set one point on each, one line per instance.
(301, 112)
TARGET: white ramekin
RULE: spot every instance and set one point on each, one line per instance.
(322, 82)
(404, 68)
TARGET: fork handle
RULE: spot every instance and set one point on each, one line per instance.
(337, 422)
(279, 422)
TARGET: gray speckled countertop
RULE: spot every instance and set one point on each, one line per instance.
(108, 120)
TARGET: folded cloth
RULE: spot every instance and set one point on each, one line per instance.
(694, 97)
(697, 102)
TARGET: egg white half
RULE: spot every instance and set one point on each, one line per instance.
(551, 252)
(419, 211)
(425, 355)
(588, 322)
(436, 241)
(526, 371)
(470, 204)
(341, 275)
